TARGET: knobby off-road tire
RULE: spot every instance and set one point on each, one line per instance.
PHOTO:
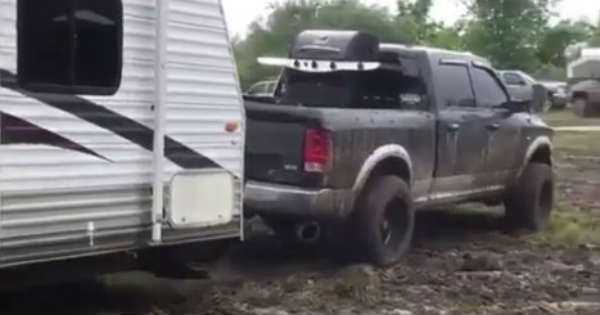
(385, 221)
(529, 204)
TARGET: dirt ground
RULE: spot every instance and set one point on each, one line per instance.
(462, 263)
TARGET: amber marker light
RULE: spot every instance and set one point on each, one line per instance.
(232, 126)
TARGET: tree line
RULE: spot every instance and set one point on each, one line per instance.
(512, 34)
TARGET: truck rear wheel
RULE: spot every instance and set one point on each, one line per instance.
(385, 220)
(529, 204)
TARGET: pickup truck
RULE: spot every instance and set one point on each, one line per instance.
(361, 135)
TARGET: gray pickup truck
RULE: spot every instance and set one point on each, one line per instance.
(360, 135)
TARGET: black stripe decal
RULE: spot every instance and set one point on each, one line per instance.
(123, 126)
(19, 131)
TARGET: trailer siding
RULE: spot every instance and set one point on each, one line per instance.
(56, 202)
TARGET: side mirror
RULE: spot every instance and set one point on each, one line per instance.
(518, 106)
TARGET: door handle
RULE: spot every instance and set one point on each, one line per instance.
(493, 127)
(453, 127)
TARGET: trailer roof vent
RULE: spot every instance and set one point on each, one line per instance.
(335, 45)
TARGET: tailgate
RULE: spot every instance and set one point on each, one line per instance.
(275, 143)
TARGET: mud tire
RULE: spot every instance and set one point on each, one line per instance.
(530, 202)
(385, 221)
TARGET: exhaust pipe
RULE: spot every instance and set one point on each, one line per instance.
(308, 233)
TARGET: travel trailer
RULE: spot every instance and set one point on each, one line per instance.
(584, 80)
(122, 128)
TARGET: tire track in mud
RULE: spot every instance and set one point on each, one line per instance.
(462, 263)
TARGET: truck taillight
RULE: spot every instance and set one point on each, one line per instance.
(317, 150)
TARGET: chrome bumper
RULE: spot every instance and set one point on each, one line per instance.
(281, 200)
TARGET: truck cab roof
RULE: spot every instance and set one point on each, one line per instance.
(433, 53)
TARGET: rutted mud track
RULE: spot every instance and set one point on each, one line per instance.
(461, 264)
(451, 271)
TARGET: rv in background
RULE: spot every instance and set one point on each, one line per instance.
(584, 80)
(121, 129)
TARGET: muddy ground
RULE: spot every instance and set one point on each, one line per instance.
(462, 263)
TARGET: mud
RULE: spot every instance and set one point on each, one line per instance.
(464, 267)
(461, 264)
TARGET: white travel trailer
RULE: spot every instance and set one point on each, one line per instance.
(586, 65)
(122, 127)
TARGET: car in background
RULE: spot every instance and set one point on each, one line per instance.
(263, 89)
(558, 95)
(522, 87)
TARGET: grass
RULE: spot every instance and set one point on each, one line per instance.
(566, 118)
(572, 142)
(577, 143)
(571, 227)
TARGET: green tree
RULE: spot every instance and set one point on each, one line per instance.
(447, 37)
(414, 20)
(507, 31)
(272, 37)
(556, 39)
(594, 40)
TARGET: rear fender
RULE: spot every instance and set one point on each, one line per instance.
(391, 151)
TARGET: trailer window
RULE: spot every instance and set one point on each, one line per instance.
(70, 46)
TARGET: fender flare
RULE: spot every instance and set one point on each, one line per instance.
(382, 153)
(539, 142)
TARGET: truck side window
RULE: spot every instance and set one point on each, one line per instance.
(70, 46)
(387, 89)
(488, 89)
(454, 86)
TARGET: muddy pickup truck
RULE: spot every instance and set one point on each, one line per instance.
(361, 135)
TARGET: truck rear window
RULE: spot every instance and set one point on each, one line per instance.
(383, 89)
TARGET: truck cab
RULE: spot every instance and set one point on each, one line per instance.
(363, 134)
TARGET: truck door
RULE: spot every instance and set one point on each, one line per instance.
(502, 126)
(462, 137)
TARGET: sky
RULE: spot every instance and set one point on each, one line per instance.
(240, 13)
